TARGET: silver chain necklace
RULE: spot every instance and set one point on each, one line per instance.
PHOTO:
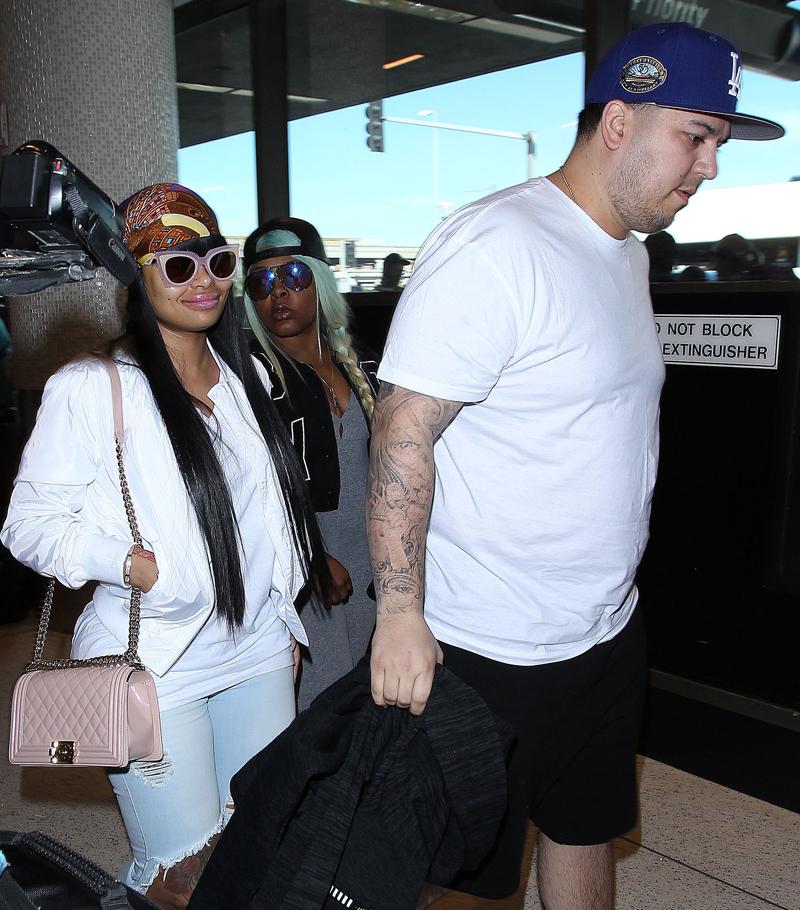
(328, 385)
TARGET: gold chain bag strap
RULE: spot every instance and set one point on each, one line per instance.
(102, 711)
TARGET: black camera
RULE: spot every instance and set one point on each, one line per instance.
(56, 226)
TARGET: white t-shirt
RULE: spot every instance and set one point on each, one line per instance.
(521, 306)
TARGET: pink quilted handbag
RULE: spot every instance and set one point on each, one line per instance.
(101, 711)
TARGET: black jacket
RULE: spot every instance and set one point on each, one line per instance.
(368, 801)
(307, 417)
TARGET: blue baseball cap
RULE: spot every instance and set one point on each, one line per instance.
(674, 64)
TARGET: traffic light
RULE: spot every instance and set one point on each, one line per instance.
(374, 112)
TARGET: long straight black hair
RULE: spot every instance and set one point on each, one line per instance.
(194, 450)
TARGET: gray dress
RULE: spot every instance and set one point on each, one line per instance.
(338, 636)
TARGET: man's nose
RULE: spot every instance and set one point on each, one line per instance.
(706, 164)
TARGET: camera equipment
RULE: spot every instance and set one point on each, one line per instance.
(56, 226)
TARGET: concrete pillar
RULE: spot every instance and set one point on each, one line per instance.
(96, 78)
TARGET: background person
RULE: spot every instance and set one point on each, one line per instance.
(737, 259)
(692, 273)
(392, 272)
(523, 372)
(662, 251)
(323, 385)
(222, 507)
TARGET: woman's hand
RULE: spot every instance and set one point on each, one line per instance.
(341, 586)
(295, 656)
(144, 570)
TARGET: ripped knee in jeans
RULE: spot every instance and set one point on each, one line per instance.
(227, 810)
(154, 773)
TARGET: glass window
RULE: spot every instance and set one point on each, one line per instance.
(217, 147)
(436, 72)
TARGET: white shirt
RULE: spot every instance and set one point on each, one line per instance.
(66, 518)
(523, 307)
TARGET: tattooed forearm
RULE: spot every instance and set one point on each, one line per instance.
(405, 426)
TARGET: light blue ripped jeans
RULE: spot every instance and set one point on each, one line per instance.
(172, 808)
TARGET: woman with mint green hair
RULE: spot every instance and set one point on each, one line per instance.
(324, 386)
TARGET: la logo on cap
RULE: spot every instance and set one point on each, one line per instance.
(735, 82)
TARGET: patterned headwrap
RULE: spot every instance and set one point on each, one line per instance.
(159, 216)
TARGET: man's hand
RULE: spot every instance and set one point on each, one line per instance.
(341, 586)
(404, 656)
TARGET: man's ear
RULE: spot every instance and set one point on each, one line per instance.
(613, 123)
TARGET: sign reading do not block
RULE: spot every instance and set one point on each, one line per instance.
(720, 341)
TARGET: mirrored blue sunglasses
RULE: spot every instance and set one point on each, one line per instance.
(294, 276)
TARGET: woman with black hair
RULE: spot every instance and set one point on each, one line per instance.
(230, 536)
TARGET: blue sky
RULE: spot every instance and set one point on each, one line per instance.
(346, 190)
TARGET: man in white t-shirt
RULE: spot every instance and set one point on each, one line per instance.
(515, 447)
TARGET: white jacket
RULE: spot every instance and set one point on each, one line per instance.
(66, 518)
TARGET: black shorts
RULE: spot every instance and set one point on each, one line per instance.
(573, 771)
